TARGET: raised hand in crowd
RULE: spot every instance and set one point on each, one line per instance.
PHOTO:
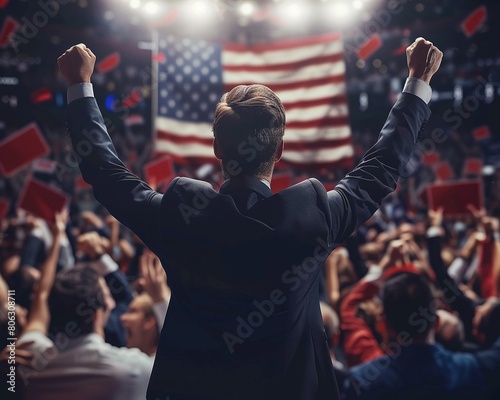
(91, 245)
(39, 316)
(154, 278)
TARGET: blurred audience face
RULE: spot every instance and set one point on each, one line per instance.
(140, 324)
(406, 231)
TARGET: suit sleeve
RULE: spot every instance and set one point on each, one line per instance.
(126, 197)
(360, 193)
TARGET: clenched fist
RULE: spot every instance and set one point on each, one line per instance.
(77, 64)
(424, 59)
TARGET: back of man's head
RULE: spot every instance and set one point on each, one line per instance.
(409, 305)
(249, 125)
(74, 300)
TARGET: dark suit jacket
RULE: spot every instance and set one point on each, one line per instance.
(243, 264)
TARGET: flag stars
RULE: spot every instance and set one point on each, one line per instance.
(190, 77)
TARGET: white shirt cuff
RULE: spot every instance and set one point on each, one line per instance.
(419, 88)
(434, 231)
(374, 274)
(80, 90)
(106, 265)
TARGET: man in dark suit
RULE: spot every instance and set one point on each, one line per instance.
(418, 367)
(243, 264)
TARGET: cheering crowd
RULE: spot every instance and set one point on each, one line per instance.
(405, 304)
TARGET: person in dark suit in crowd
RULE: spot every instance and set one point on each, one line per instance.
(243, 263)
(418, 367)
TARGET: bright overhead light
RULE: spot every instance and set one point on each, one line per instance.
(357, 4)
(295, 10)
(247, 8)
(200, 7)
(151, 7)
(135, 4)
(341, 9)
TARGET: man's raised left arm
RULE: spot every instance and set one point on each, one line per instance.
(125, 196)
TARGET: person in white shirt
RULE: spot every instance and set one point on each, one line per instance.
(77, 363)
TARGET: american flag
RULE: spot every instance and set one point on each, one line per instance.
(307, 74)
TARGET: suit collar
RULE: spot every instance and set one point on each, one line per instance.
(246, 182)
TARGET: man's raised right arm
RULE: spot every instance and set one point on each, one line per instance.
(360, 193)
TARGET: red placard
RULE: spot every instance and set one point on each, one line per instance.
(159, 171)
(109, 63)
(473, 166)
(443, 171)
(41, 95)
(4, 208)
(81, 184)
(481, 133)
(10, 25)
(281, 182)
(474, 21)
(369, 47)
(42, 200)
(455, 197)
(21, 148)
(430, 158)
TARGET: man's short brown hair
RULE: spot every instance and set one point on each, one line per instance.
(249, 125)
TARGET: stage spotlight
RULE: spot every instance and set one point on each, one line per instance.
(247, 8)
(357, 4)
(295, 11)
(134, 4)
(341, 9)
(151, 7)
(200, 7)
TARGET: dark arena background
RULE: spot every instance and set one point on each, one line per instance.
(410, 301)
